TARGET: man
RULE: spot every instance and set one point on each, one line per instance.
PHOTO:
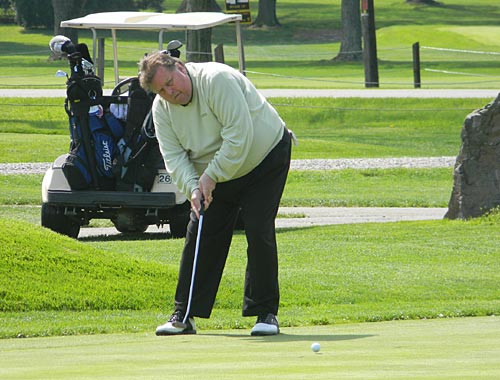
(227, 147)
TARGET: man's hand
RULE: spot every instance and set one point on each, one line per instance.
(196, 202)
(207, 186)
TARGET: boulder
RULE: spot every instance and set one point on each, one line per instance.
(476, 180)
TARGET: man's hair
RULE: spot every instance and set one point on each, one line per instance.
(149, 65)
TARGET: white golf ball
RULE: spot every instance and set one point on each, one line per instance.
(315, 347)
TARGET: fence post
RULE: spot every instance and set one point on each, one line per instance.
(416, 65)
(100, 58)
(369, 43)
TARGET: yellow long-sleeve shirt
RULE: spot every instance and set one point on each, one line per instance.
(226, 130)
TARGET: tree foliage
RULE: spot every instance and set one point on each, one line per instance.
(5, 5)
(33, 13)
(48, 14)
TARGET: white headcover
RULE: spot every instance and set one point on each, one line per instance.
(57, 42)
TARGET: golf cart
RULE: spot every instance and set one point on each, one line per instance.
(114, 169)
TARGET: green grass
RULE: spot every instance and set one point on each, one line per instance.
(345, 128)
(49, 275)
(300, 52)
(26, 147)
(464, 348)
(346, 188)
(33, 116)
(369, 188)
(51, 285)
(27, 213)
(36, 130)
(21, 189)
(355, 273)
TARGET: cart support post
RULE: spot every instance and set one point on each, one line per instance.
(115, 56)
(241, 53)
(160, 39)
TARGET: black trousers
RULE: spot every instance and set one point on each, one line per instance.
(257, 196)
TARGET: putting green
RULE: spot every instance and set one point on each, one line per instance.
(462, 348)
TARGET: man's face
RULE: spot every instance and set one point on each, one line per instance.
(174, 86)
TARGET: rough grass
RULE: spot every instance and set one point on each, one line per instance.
(326, 188)
(369, 188)
(369, 272)
(326, 128)
(74, 276)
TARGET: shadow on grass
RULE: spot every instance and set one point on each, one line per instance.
(103, 237)
(127, 237)
(286, 338)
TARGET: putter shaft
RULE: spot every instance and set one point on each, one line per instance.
(193, 272)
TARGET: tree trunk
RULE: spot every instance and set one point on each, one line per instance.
(199, 45)
(66, 10)
(199, 42)
(350, 46)
(211, 7)
(266, 15)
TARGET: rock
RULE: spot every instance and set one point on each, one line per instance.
(476, 182)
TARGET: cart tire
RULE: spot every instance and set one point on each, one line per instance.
(132, 229)
(53, 217)
(129, 221)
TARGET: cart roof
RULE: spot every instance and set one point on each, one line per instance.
(154, 21)
(151, 20)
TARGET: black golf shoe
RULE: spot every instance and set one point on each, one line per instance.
(174, 325)
(267, 324)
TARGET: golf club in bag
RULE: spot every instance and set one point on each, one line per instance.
(183, 324)
(84, 90)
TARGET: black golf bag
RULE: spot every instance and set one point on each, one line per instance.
(107, 153)
(140, 156)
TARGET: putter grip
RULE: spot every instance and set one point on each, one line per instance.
(202, 205)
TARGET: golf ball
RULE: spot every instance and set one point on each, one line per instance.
(315, 347)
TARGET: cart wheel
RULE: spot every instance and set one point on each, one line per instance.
(127, 221)
(53, 218)
(134, 228)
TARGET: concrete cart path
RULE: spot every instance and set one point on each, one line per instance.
(299, 217)
(305, 217)
(314, 216)
(303, 93)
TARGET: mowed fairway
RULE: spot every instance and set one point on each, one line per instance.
(461, 348)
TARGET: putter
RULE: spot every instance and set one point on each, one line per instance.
(183, 324)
